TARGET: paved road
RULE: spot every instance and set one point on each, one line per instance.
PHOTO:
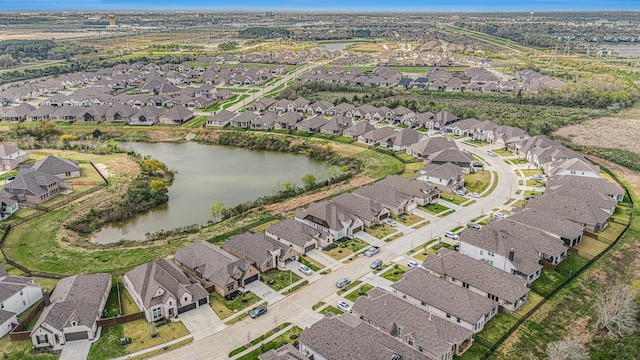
(297, 307)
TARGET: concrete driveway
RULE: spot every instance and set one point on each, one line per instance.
(201, 319)
(75, 350)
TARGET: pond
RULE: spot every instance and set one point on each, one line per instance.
(206, 174)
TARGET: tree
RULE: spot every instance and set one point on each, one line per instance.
(569, 349)
(617, 310)
(217, 210)
(309, 181)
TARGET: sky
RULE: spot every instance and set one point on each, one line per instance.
(335, 5)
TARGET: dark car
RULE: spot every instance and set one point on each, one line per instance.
(477, 164)
(260, 310)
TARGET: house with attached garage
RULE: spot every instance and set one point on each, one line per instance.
(216, 269)
(511, 292)
(330, 217)
(299, 236)
(513, 247)
(162, 291)
(413, 326)
(357, 340)
(264, 252)
(445, 300)
(72, 310)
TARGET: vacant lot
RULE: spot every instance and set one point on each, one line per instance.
(609, 132)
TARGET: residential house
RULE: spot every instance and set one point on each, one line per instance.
(357, 340)
(162, 291)
(221, 118)
(60, 167)
(425, 148)
(478, 276)
(12, 156)
(412, 325)
(513, 247)
(330, 217)
(445, 300)
(72, 311)
(216, 269)
(299, 236)
(358, 129)
(445, 177)
(262, 251)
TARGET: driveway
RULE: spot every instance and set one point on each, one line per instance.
(201, 319)
(75, 350)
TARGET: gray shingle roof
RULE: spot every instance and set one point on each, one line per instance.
(76, 299)
(389, 312)
(347, 337)
(445, 296)
(477, 273)
(215, 264)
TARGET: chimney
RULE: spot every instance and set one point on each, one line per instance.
(45, 296)
(511, 254)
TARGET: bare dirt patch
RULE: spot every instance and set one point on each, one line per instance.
(297, 202)
(607, 132)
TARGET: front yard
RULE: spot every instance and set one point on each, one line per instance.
(278, 280)
(225, 308)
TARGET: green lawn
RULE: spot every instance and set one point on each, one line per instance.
(435, 208)
(394, 274)
(453, 198)
(289, 337)
(380, 230)
(225, 308)
(362, 291)
(497, 327)
(278, 280)
(478, 181)
(547, 281)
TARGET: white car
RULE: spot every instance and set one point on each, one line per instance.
(344, 306)
(305, 269)
(451, 235)
(413, 264)
(390, 222)
(499, 215)
(474, 195)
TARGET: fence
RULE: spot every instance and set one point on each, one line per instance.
(553, 292)
(117, 320)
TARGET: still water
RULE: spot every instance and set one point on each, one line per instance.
(205, 175)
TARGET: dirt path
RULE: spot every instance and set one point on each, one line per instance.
(292, 204)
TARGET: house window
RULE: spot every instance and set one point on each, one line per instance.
(230, 286)
(42, 339)
(157, 313)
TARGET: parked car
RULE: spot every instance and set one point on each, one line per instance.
(305, 269)
(491, 153)
(260, 310)
(478, 164)
(413, 264)
(451, 235)
(372, 251)
(390, 222)
(342, 283)
(376, 264)
(472, 225)
(474, 195)
(344, 306)
(499, 215)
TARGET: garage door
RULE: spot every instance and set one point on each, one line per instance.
(203, 301)
(251, 279)
(186, 308)
(309, 248)
(76, 336)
